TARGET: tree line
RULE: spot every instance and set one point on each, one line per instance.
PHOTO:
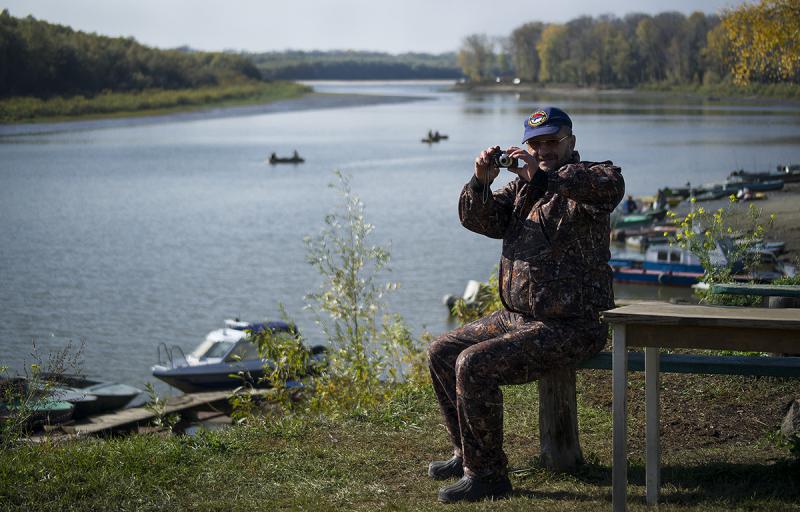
(751, 43)
(43, 59)
(355, 65)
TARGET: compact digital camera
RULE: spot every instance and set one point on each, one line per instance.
(500, 159)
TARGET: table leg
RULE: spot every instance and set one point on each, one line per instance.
(653, 452)
(619, 384)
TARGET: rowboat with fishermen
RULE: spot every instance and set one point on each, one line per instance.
(294, 159)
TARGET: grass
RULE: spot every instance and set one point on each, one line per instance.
(718, 455)
(148, 102)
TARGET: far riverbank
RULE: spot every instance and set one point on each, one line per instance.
(755, 93)
(308, 101)
(109, 104)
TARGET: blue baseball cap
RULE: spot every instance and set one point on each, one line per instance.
(545, 121)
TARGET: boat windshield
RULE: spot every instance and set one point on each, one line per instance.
(243, 351)
(209, 349)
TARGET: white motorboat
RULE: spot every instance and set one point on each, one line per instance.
(224, 359)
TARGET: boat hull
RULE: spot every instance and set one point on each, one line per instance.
(211, 377)
(656, 277)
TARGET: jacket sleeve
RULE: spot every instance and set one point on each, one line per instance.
(484, 212)
(597, 185)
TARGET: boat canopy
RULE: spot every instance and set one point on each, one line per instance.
(220, 342)
(257, 327)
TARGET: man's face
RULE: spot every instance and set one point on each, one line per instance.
(552, 151)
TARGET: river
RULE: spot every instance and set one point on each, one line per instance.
(126, 233)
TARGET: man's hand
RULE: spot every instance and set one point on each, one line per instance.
(484, 170)
(529, 165)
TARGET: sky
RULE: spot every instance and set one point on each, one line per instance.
(393, 26)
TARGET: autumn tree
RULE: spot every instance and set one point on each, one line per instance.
(716, 55)
(476, 57)
(552, 52)
(524, 56)
(503, 63)
(764, 40)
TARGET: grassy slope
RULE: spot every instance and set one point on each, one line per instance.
(149, 102)
(716, 457)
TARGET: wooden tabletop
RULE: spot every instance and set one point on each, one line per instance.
(660, 313)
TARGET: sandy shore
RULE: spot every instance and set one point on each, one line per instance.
(785, 204)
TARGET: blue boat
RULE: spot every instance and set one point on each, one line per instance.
(673, 266)
(660, 265)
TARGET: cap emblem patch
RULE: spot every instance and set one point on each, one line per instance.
(537, 118)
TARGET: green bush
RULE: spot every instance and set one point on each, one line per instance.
(370, 351)
(724, 241)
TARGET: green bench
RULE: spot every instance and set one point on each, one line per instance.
(762, 290)
(706, 365)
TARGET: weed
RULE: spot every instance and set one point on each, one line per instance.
(158, 407)
(22, 398)
(726, 242)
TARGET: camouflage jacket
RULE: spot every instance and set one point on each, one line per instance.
(555, 233)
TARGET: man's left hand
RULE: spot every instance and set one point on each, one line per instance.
(529, 165)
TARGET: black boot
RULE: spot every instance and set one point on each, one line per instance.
(473, 488)
(444, 469)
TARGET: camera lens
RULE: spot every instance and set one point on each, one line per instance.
(505, 161)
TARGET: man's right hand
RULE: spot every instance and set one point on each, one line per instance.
(484, 170)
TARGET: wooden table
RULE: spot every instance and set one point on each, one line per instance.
(656, 325)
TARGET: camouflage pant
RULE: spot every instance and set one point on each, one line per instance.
(469, 364)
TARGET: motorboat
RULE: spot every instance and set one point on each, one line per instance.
(637, 220)
(734, 184)
(663, 264)
(676, 266)
(225, 358)
(786, 172)
(470, 296)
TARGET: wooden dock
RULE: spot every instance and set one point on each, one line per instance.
(127, 419)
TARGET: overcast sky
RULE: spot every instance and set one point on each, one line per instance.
(393, 26)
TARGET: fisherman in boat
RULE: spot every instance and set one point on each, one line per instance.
(629, 206)
(554, 281)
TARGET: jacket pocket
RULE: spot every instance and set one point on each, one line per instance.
(555, 295)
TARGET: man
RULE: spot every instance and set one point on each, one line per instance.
(629, 206)
(554, 282)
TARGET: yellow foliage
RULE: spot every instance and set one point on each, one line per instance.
(764, 40)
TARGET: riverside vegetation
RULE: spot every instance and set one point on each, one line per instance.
(357, 436)
(51, 72)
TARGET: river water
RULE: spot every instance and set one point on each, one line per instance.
(124, 234)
